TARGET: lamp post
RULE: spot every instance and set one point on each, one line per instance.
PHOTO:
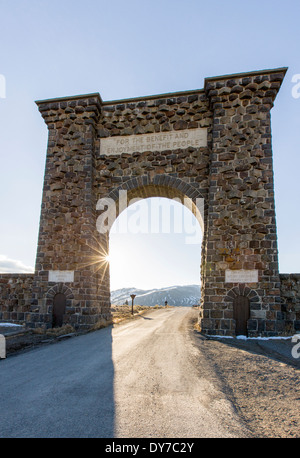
(132, 299)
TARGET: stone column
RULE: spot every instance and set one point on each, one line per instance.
(241, 226)
(68, 239)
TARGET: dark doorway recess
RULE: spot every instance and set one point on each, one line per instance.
(59, 309)
(241, 314)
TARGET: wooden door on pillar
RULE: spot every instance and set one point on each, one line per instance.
(241, 314)
(59, 309)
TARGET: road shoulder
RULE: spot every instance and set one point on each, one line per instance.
(260, 378)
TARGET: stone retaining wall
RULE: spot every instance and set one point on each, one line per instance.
(16, 293)
(15, 296)
(290, 301)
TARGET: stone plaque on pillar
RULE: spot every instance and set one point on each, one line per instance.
(61, 276)
(241, 276)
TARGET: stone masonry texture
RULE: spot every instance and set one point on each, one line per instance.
(15, 297)
(233, 173)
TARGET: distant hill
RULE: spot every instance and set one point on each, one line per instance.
(175, 295)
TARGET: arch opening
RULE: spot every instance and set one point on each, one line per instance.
(155, 242)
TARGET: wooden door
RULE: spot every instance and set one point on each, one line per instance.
(241, 314)
(59, 309)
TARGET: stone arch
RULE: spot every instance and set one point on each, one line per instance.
(242, 290)
(162, 180)
(59, 288)
(97, 149)
(161, 185)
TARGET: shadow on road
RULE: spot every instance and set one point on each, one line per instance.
(61, 390)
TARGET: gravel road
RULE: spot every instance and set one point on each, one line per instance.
(152, 377)
(160, 390)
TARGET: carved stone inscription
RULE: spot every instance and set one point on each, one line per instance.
(241, 276)
(154, 142)
(61, 276)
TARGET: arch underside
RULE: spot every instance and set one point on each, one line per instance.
(143, 187)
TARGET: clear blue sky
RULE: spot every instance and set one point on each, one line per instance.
(133, 48)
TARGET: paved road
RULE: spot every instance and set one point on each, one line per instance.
(139, 379)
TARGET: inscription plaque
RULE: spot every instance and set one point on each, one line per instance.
(160, 141)
(61, 276)
(241, 276)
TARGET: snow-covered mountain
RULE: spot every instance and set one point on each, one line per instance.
(175, 295)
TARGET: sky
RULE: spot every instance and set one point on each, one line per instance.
(160, 244)
(126, 49)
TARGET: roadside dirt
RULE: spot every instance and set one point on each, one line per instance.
(262, 384)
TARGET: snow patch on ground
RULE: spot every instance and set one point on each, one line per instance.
(7, 325)
(254, 338)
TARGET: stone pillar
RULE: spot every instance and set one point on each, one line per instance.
(241, 228)
(68, 239)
